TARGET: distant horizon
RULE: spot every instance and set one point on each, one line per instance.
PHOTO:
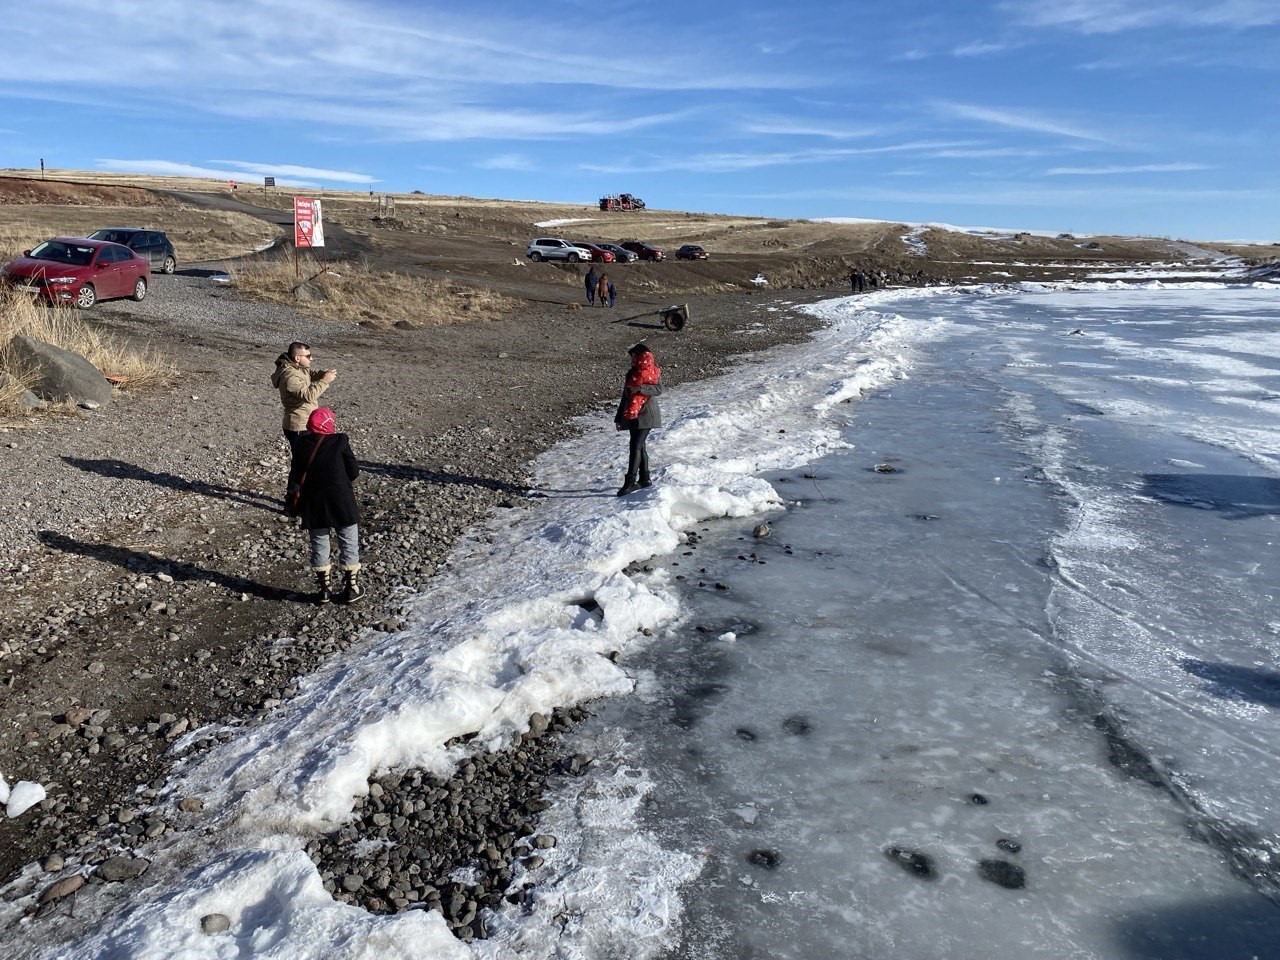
(257, 184)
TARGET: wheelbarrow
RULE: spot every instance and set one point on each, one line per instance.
(675, 317)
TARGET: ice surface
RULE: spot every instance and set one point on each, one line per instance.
(1037, 609)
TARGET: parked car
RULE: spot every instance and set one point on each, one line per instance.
(691, 251)
(152, 244)
(643, 250)
(598, 253)
(78, 272)
(553, 248)
(622, 256)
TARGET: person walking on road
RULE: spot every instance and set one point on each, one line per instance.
(590, 281)
(605, 293)
(300, 389)
(638, 413)
(322, 474)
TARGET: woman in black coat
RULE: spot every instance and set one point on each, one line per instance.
(323, 469)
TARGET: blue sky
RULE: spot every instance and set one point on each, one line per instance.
(1127, 116)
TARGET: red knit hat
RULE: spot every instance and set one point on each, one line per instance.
(321, 421)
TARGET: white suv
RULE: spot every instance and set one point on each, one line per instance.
(551, 248)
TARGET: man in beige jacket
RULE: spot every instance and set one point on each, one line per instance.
(300, 388)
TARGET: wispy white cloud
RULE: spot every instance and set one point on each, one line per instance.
(286, 174)
(1139, 168)
(506, 161)
(1015, 119)
(979, 48)
(1117, 16)
(734, 162)
(782, 126)
(292, 170)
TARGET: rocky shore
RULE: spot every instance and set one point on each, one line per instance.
(153, 588)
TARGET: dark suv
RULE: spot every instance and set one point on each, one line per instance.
(643, 250)
(152, 245)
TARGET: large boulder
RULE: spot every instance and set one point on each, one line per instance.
(60, 374)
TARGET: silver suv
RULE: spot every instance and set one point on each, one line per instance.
(552, 248)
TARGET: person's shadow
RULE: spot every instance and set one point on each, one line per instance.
(1231, 681)
(398, 471)
(1234, 497)
(120, 470)
(142, 562)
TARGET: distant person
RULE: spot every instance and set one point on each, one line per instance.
(590, 281)
(638, 413)
(322, 474)
(605, 293)
(300, 388)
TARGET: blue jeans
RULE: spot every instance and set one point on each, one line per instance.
(348, 548)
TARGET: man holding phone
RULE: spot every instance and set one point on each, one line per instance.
(300, 389)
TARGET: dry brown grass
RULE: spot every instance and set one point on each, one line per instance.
(140, 367)
(196, 234)
(354, 292)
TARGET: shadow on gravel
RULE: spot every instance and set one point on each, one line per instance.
(1229, 681)
(1235, 497)
(140, 562)
(120, 470)
(200, 272)
(398, 471)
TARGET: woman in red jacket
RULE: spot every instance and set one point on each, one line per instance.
(638, 413)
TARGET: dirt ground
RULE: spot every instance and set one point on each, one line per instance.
(149, 571)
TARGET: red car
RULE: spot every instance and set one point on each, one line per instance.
(79, 272)
(643, 250)
(598, 253)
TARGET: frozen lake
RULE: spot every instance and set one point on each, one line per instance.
(1040, 653)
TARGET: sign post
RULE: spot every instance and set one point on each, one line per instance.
(308, 226)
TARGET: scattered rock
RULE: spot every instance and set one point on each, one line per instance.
(190, 804)
(761, 531)
(118, 869)
(63, 888)
(914, 862)
(1003, 873)
(1009, 845)
(212, 923)
(769, 859)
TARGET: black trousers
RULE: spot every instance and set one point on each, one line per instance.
(638, 461)
(292, 436)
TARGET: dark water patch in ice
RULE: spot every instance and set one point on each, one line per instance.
(1003, 873)
(1125, 755)
(1232, 681)
(797, 725)
(692, 703)
(978, 800)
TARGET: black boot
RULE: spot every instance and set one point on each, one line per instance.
(322, 585)
(628, 486)
(352, 591)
